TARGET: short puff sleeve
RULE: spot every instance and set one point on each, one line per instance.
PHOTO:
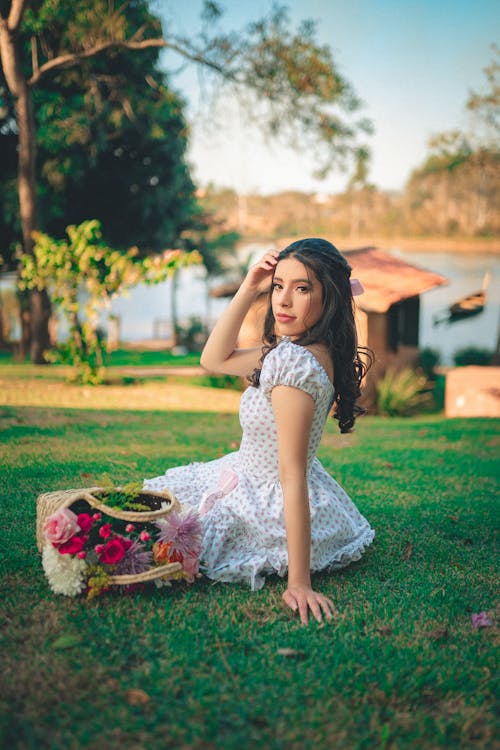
(293, 365)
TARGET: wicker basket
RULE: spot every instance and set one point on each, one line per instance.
(50, 502)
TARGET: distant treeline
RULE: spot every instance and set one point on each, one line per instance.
(450, 195)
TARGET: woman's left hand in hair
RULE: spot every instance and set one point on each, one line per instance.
(301, 598)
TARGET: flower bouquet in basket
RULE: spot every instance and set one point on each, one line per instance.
(92, 539)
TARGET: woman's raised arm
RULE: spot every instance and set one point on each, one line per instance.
(220, 353)
(294, 411)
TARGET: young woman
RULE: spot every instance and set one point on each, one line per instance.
(271, 507)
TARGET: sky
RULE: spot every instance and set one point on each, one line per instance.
(412, 62)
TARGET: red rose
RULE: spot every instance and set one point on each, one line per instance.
(105, 531)
(75, 545)
(85, 522)
(113, 552)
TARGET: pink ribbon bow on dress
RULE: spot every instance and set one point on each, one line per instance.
(228, 479)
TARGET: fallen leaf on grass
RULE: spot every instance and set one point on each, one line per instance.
(408, 550)
(137, 697)
(453, 518)
(387, 465)
(67, 640)
(384, 630)
(291, 653)
(438, 633)
(85, 475)
(438, 590)
(259, 615)
(481, 620)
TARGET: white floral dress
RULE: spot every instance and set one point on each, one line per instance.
(239, 496)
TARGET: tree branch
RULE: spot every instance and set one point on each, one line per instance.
(73, 58)
(15, 16)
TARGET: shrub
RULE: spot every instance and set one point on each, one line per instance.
(402, 393)
(471, 355)
(428, 359)
(230, 382)
(193, 335)
(85, 264)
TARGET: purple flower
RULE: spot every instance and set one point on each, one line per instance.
(135, 560)
(183, 530)
(481, 620)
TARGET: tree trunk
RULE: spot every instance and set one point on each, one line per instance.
(39, 309)
(25, 317)
(173, 308)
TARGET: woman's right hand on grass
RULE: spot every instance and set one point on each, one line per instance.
(302, 598)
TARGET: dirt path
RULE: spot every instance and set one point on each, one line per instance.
(151, 396)
(136, 371)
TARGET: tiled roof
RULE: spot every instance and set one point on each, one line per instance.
(388, 279)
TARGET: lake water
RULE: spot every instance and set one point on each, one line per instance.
(464, 272)
(144, 305)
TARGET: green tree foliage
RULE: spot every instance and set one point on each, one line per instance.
(84, 266)
(485, 104)
(288, 81)
(110, 132)
(457, 188)
(10, 228)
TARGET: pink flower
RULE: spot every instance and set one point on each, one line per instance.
(136, 560)
(144, 536)
(105, 530)
(85, 522)
(82, 555)
(113, 552)
(96, 516)
(73, 546)
(61, 526)
(183, 530)
(481, 620)
(99, 548)
(190, 566)
(129, 527)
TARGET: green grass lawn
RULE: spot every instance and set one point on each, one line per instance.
(400, 665)
(130, 357)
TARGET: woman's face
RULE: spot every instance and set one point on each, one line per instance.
(297, 298)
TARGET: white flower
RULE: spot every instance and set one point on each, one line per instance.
(65, 573)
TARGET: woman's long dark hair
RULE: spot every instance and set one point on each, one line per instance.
(335, 329)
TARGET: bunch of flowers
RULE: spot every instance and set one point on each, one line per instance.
(82, 549)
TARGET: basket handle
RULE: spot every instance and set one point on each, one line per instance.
(148, 575)
(129, 515)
